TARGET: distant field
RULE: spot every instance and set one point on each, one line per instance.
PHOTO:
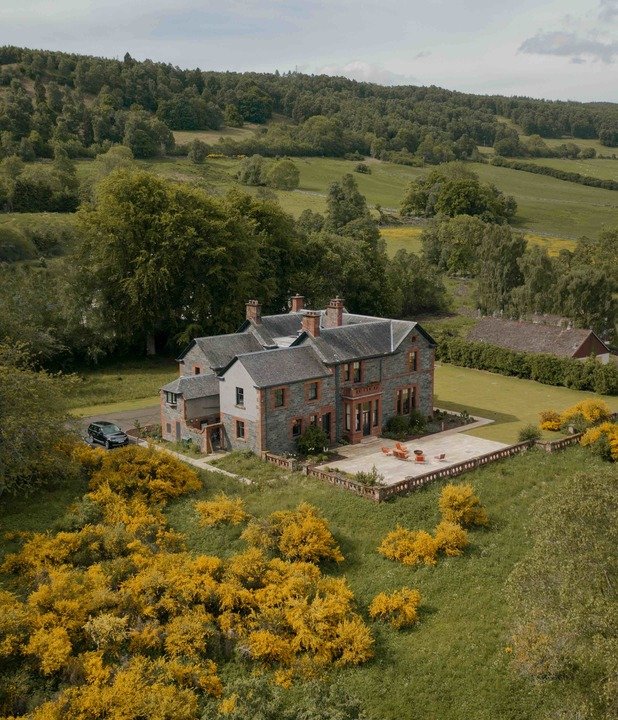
(409, 238)
(546, 206)
(402, 237)
(211, 136)
(20, 221)
(604, 169)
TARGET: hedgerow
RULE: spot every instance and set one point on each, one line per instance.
(555, 172)
(547, 369)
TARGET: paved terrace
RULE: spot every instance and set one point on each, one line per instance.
(455, 445)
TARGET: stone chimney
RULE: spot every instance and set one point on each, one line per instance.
(334, 313)
(297, 303)
(254, 311)
(311, 322)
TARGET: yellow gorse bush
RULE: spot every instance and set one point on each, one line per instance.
(223, 509)
(550, 420)
(608, 430)
(410, 547)
(452, 539)
(301, 534)
(127, 623)
(458, 504)
(399, 608)
(592, 411)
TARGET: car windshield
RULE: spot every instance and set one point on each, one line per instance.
(110, 429)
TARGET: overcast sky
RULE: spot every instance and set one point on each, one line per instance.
(566, 49)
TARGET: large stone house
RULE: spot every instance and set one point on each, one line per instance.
(261, 387)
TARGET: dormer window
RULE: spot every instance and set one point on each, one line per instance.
(171, 398)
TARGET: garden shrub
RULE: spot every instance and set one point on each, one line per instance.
(223, 509)
(373, 477)
(550, 420)
(312, 441)
(400, 608)
(592, 411)
(410, 547)
(452, 539)
(458, 504)
(529, 433)
(400, 427)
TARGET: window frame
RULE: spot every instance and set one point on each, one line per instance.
(240, 425)
(171, 398)
(284, 397)
(296, 423)
(412, 360)
(240, 394)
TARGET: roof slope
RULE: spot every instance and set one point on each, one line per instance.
(282, 366)
(220, 349)
(193, 386)
(353, 342)
(529, 337)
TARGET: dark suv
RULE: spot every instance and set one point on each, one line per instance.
(107, 434)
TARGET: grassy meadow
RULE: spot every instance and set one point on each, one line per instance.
(454, 663)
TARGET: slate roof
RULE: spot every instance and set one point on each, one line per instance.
(220, 349)
(529, 337)
(353, 342)
(282, 366)
(193, 386)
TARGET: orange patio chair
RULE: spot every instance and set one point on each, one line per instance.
(386, 451)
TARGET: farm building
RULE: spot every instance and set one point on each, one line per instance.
(261, 387)
(539, 338)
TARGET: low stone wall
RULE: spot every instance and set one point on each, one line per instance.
(332, 478)
(280, 461)
(554, 445)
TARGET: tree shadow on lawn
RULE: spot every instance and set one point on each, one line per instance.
(499, 418)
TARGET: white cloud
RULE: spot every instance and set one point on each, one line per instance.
(571, 45)
(367, 72)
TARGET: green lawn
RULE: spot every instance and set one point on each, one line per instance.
(510, 402)
(454, 664)
(123, 385)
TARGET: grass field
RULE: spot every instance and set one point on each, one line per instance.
(510, 402)
(212, 136)
(133, 383)
(604, 169)
(546, 206)
(454, 664)
(35, 221)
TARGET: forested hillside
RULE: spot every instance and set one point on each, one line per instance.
(87, 103)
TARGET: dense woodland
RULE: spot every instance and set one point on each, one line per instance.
(86, 103)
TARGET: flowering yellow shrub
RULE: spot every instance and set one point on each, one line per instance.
(607, 430)
(126, 622)
(550, 420)
(458, 504)
(411, 547)
(452, 539)
(136, 470)
(90, 458)
(223, 509)
(51, 647)
(300, 534)
(591, 410)
(400, 608)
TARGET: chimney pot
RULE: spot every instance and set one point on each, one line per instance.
(297, 303)
(254, 311)
(311, 322)
(334, 313)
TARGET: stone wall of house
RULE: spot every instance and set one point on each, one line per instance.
(170, 417)
(277, 422)
(194, 358)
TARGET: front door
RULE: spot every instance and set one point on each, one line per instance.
(178, 436)
(367, 418)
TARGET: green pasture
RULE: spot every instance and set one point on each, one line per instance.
(597, 168)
